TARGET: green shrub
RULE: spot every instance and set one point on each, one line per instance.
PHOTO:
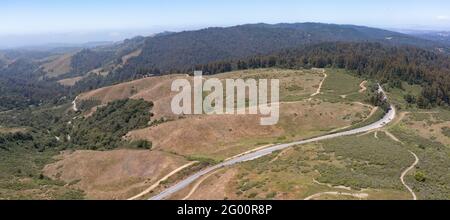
(271, 195)
(141, 144)
(446, 131)
(106, 127)
(420, 177)
(252, 195)
(87, 104)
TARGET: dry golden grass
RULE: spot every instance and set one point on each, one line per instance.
(58, 66)
(222, 136)
(430, 129)
(117, 174)
(295, 85)
(216, 135)
(11, 130)
(62, 65)
(70, 81)
(131, 55)
(215, 187)
(277, 177)
(155, 89)
(99, 71)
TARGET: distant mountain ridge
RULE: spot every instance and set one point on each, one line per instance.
(168, 52)
(180, 50)
(185, 49)
(437, 36)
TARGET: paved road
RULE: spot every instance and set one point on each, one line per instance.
(152, 187)
(266, 151)
(74, 103)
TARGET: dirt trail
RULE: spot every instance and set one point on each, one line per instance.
(363, 86)
(152, 187)
(374, 110)
(396, 121)
(427, 112)
(198, 184)
(331, 186)
(393, 137)
(248, 152)
(357, 195)
(339, 129)
(320, 85)
(279, 155)
(402, 177)
(388, 117)
(400, 117)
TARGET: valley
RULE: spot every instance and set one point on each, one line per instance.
(363, 116)
(298, 121)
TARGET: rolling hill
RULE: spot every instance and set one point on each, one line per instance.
(183, 50)
(180, 52)
(437, 36)
(119, 131)
(186, 49)
(171, 52)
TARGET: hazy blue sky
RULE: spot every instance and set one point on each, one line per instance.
(115, 19)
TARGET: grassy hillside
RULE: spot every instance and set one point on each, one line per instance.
(29, 140)
(173, 52)
(314, 102)
(426, 134)
(348, 168)
(21, 175)
(362, 166)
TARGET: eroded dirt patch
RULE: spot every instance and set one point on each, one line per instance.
(116, 174)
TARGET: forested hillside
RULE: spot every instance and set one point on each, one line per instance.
(182, 50)
(87, 60)
(437, 36)
(20, 86)
(25, 80)
(3, 61)
(172, 52)
(386, 63)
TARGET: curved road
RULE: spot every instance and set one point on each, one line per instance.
(74, 103)
(266, 151)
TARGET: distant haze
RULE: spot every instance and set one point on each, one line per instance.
(29, 22)
(72, 38)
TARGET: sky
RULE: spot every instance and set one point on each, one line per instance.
(75, 21)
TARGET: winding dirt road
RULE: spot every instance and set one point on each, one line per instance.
(321, 84)
(389, 116)
(152, 187)
(198, 185)
(363, 87)
(402, 177)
